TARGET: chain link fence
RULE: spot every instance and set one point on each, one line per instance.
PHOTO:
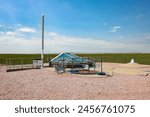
(27, 63)
(13, 64)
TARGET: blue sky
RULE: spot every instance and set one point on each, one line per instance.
(85, 26)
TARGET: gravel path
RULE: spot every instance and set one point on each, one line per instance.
(47, 84)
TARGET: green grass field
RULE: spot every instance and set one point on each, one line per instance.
(141, 58)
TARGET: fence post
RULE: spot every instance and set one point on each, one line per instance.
(94, 63)
(32, 63)
(101, 65)
(21, 63)
(82, 62)
(6, 61)
(72, 65)
(9, 64)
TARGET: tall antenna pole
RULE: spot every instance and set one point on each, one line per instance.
(42, 52)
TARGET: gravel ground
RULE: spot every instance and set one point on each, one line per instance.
(47, 84)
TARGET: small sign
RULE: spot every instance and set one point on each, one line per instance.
(37, 63)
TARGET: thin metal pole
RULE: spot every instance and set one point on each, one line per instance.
(42, 53)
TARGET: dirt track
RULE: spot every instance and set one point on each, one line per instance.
(46, 84)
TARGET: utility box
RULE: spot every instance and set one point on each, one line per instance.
(37, 63)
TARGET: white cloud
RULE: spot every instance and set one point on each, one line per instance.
(105, 24)
(11, 33)
(139, 16)
(27, 30)
(2, 33)
(59, 43)
(1, 26)
(8, 27)
(52, 33)
(146, 36)
(115, 28)
(18, 42)
(121, 36)
(14, 40)
(10, 43)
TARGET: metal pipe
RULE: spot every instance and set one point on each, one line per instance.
(42, 52)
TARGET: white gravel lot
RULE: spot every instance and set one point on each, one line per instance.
(47, 84)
